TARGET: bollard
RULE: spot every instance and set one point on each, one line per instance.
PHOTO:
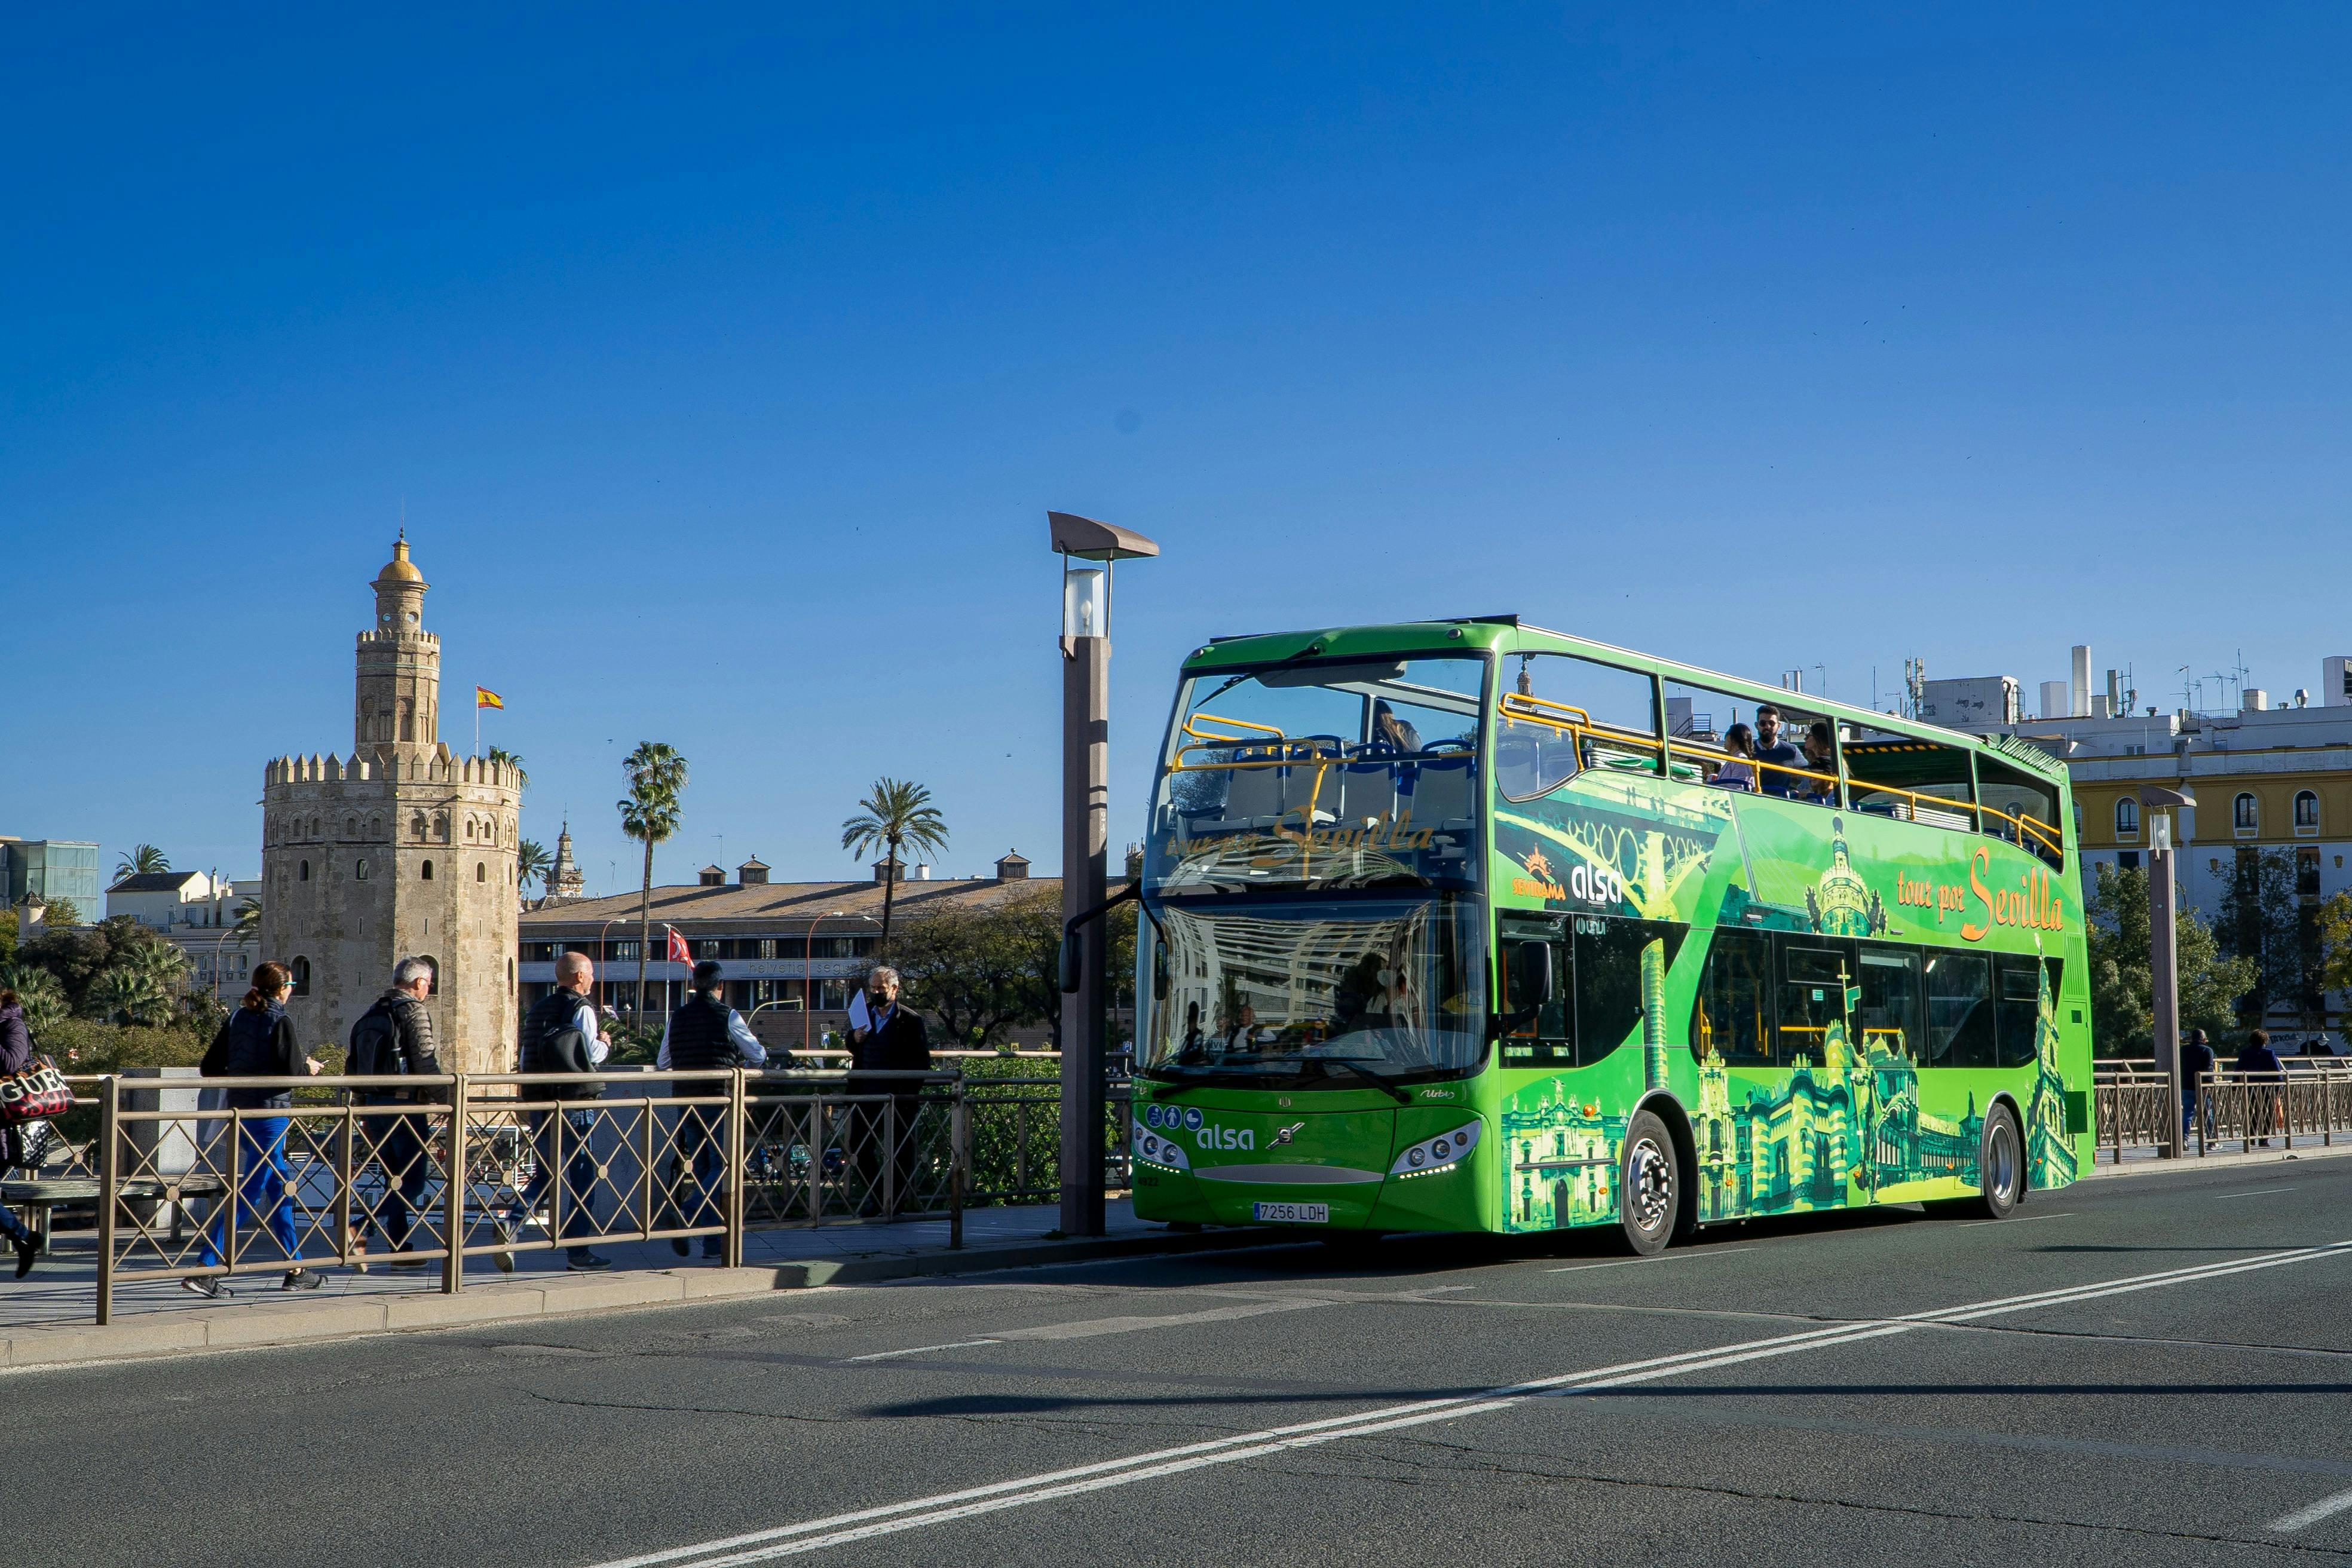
(453, 1223)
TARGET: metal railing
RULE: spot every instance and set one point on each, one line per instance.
(438, 1170)
(2229, 1111)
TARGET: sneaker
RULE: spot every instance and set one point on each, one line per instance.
(356, 1244)
(25, 1252)
(713, 1254)
(302, 1280)
(209, 1286)
(406, 1258)
(586, 1262)
(677, 1245)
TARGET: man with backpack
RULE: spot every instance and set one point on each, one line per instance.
(559, 1035)
(394, 1038)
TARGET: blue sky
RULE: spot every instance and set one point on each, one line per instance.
(726, 364)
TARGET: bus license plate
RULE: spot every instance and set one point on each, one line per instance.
(1294, 1213)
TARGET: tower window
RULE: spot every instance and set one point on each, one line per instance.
(304, 874)
(481, 870)
(359, 869)
(302, 968)
(428, 872)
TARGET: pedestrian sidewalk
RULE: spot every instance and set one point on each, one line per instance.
(2145, 1160)
(46, 1319)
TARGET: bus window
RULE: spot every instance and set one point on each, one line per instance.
(1812, 996)
(1699, 740)
(1730, 1018)
(1959, 1011)
(1889, 1019)
(1796, 755)
(2017, 1015)
(1909, 779)
(2019, 807)
(1537, 1018)
(1609, 979)
(1561, 714)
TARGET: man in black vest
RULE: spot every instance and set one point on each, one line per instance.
(561, 1034)
(705, 1035)
(893, 1041)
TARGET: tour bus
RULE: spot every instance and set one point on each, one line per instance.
(1471, 926)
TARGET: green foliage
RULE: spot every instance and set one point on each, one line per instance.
(979, 973)
(62, 912)
(128, 994)
(8, 936)
(2122, 1009)
(650, 813)
(139, 860)
(90, 1046)
(248, 915)
(41, 994)
(500, 754)
(532, 862)
(633, 1044)
(898, 815)
(2259, 916)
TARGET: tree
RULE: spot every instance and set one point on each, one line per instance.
(532, 862)
(139, 860)
(974, 971)
(248, 918)
(2261, 918)
(7, 936)
(43, 999)
(129, 994)
(650, 813)
(62, 912)
(2123, 1010)
(898, 815)
(78, 957)
(500, 754)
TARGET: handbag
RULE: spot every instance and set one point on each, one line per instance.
(35, 1094)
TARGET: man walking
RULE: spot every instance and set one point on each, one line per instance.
(894, 1041)
(561, 1034)
(2196, 1066)
(394, 1038)
(705, 1035)
(2265, 1078)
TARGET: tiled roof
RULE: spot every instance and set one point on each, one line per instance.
(155, 882)
(787, 904)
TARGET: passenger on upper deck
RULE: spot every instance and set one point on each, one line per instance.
(1739, 772)
(1821, 757)
(1391, 731)
(1775, 753)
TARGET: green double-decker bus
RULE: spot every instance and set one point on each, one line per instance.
(1470, 926)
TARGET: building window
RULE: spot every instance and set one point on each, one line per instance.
(2128, 860)
(510, 977)
(359, 869)
(481, 870)
(433, 968)
(425, 871)
(2244, 813)
(304, 874)
(2306, 872)
(2127, 818)
(2306, 811)
(301, 971)
(767, 947)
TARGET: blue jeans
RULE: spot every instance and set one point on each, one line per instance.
(694, 1185)
(266, 1191)
(578, 1208)
(14, 1228)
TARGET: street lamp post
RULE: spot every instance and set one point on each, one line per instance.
(1085, 840)
(2163, 955)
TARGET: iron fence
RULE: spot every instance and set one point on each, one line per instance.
(2228, 1111)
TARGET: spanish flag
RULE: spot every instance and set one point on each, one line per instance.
(486, 698)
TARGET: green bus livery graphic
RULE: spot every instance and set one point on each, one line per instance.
(1424, 953)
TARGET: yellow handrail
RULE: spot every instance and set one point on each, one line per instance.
(1191, 719)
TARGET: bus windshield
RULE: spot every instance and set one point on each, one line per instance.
(1338, 774)
(1336, 993)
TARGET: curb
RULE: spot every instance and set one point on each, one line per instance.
(262, 1323)
(2190, 1163)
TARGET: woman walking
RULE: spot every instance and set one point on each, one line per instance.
(16, 1056)
(258, 1042)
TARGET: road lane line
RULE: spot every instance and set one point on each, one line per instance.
(2013, 1219)
(918, 1349)
(1622, 1262)
(2305, 1518)
(2253, 1192)
(809, 1535)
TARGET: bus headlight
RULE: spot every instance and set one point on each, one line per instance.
(1434, 1154)
(1158, 1149)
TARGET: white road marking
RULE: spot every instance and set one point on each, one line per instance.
(810, 1535)
(918, 1349)
(1679, 1257)
(2015, 1219)
(2305, 1518)
(1089, 1328)
(2253, 1192)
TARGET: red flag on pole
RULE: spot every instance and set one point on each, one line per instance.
(677, 950)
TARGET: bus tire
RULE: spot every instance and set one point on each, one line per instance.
(2000, 1171)
(1649, 1184)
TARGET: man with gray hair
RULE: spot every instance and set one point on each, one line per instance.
(562, 1035)
(395, 1038)
(893, 1041)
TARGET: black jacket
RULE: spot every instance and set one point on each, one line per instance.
(552, 1043)
(16, 1040)
(699, 1038)
(902, 1044)
(261, 1044)
(413, 1029)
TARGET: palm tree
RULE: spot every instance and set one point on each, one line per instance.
(500, 754)
(129, 995)
(248, 917)
(40, 992)
(898, 815)
(650, 813)
(139, 860)
(532, 861)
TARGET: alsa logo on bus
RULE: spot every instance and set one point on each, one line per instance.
(1206, 1134)
(2034, 904)
(1589, 883)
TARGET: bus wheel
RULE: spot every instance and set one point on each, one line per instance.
(2001, 1172)
(1649, 1180)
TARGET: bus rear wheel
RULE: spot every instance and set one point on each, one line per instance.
(2000, 1171)
(1648, 1185)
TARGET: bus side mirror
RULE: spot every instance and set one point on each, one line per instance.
(1071, 957)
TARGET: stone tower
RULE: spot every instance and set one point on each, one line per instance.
(400, 850)
(564, 878)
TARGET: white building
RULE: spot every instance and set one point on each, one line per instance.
(167, 900)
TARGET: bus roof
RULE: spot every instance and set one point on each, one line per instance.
(1508, 634)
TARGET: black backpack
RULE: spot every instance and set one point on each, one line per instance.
(376, 1045)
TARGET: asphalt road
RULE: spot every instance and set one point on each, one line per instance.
(2155, 1369)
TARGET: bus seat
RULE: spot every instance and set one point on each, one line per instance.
(1256, 792)
(1367, 790)
(1443, 793)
